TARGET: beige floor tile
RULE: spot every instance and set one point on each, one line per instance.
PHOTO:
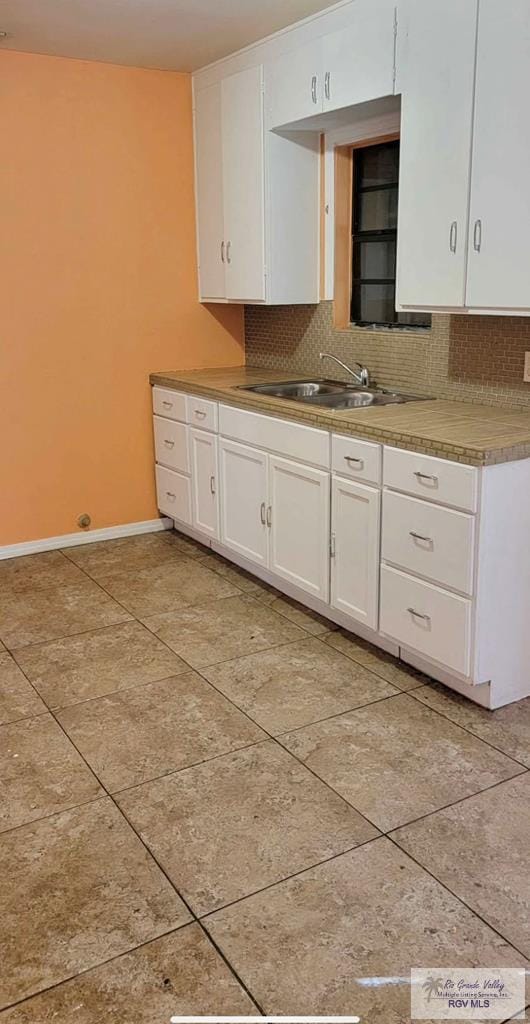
(147, 731)
(123, 555)
(77, 889)
(168, 587)
(291, 686)
(17, 697)
(33, 616)
(312, 944)
(242, 579)
(232, 826)
(41, 772)
(181, 973)
(35, 572)
(392, 669)
(508, 728)
(397, 760)
(186, 545)
(2, 648)
(77, 668)
(206, 634)
(480, 849)
(298, 613)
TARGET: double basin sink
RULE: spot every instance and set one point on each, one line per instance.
(332, 394)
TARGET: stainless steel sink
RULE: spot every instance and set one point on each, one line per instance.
(332, 394)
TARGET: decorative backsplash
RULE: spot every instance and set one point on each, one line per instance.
(465, 358)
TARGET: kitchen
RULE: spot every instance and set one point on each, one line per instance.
(264, 563)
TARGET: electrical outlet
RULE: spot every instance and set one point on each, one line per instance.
(526, 374)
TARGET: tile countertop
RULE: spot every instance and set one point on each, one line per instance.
(478, 435)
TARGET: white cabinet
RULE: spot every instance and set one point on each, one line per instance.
(298, 514)
(359, 60)
(209, 183)
(173, 492)
(436, 58)
(204, 480)
(355, 528)
(243, 473)
(294, 85)
(499, 255)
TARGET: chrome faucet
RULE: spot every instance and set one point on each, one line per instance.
(362, 378)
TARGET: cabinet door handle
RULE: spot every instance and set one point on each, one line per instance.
(418, 536)
(453, 236)
(477, 235)
(351, 458)
(314, 88)
(327, 79)
(269, 515)
(332, 546)
(425, 476)
(222, 252)
(262, 513)
(168, 443)
(419, 615)
(228, 251)
(212, 485)
(170, 495)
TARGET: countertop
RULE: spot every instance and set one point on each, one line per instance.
(478, 435)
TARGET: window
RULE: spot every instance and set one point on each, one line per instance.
(374, 237)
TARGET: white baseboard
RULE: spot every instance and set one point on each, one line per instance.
(69, 540)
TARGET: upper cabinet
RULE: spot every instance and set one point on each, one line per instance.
(338, 69)
(209, 190)
(464, 207)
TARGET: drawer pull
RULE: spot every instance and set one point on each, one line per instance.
(419, 615)
(167, 404)
(426, 476)
(168, 443)
(358, 462)
(418, 536)
(262, 513)
(200, 414)
(170, 495)
(212, 485)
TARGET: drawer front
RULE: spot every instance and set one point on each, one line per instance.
(202, 413)
(360, 460)
(171, 444)
(169, 403)
(173, 491)
(280, 436)
(449, 483)
(429, 540)
(426, 619)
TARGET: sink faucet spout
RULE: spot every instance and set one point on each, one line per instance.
(362, 378)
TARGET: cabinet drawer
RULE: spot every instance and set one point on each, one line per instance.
(169, 403)
(171, 444)
(280, 436)
(429, 540)
(173, 491)
(449, 483)
(426, 619)
(360, 460)
(202, 413)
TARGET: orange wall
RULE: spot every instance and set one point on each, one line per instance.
(97, 286)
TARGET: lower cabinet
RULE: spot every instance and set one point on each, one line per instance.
(204, 482)
(355, 532)
(275, 512)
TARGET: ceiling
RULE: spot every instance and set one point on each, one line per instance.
(179, 35)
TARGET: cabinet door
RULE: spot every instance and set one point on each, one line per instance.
(355, 530)
(244, 500)
(499, 260)
(437, 58)
(243, 184)
(298, 515)
(204, 482)
(209, 198)
(294, 85)
(359, 60)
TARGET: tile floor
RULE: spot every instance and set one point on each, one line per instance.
(214, 801)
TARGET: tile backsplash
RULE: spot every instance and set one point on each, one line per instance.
(465, 358)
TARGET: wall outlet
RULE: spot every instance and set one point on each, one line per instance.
(526, 374)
